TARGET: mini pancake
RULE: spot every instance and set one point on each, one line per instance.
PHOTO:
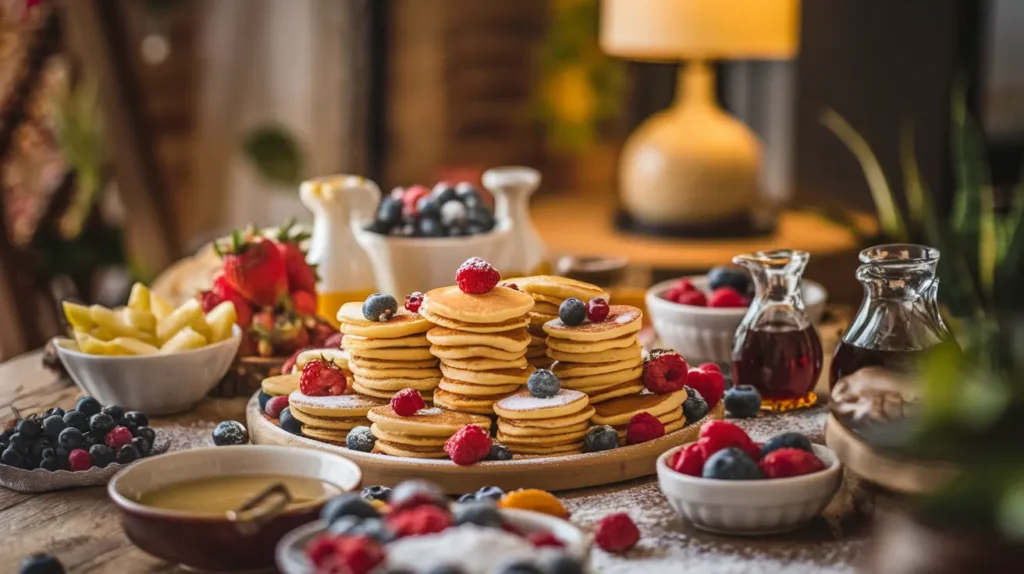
(333, 406)
(327, 423)
(497, 305)
(621, 321)
(325, 435)
(560, 288)
(390, 448)
(469, 389)
(565, 369)
(403, 324)
(428, 396)
(357, 342)
(615, 391)
(603, 379)
(404, 439)
(431, 421)
(553, 423)
(395, 384)
(537, 339)
(573, 448)
(336, 356)
(524, 406)
(492, 377)
(567, 346)
(368, 363)
(482, 364)
(399, 372)
(475, 327)
(538, 320)
(404, 354)
(445, 353)
(545, 308)
(547, 440)
(280, 384)
(509, 429)
(536, 352)
(600, 357)
(512, 341)
(464, 403)
(619, 411)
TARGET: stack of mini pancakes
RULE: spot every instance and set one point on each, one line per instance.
(667, 408)
(330, 418)
(530, 425)
(602, 359)
(481, 341)
(421, 435)
(548, 293)
(386, 357)
(279, 385)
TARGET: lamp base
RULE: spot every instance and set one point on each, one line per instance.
(740, 226)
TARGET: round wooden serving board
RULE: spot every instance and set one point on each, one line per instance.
(551, 473)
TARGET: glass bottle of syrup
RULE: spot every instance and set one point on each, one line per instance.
(898, 320)
(776, 348)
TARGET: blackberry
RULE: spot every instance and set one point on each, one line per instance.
(380, 307)
(288, 422)
(360, 439)
(787, 440)
(52, 425)
(572, 311)
(230, 433)
(102, 455)
(77, 419)
(348, 504)
(731, 464)
(543, 384)
(101, 423)
(88, 406)
(598, 438)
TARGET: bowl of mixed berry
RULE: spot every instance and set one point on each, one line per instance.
(729, 484)
(420, 236)
(698, 315)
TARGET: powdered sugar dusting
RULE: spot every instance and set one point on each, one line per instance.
(429, 412)
(475, 549)
(524, 401)
(334, 401)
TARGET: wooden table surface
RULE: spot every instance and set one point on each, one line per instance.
(81, 528)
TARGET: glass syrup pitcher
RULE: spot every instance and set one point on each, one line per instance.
(776, 348)
(898, 320)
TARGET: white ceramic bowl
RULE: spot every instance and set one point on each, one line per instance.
(750, 507)
(291, 558)
(705, 334)
(159, 384)
(402, 265)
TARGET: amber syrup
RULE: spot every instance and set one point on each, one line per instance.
(783, 364)
(850, 358)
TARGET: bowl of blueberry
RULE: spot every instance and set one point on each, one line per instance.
(698, 315)
(420, 236)
(726, 483)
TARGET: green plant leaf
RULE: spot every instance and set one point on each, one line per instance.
(987, 242)
(275, 154)
(919, 201)
(939, 378)
(1010, 515)
(969, 163)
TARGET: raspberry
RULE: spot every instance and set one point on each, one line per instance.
(322, 378)
(413, 301)
(118, 437)
(275, 405)
(716, 435)
(710, 367)
(616, 533)
(320, 550)
(348, 554)
(411, 196)
(789, 462)
(597, 309)
(684, 285)
(710, 384)
(694, 298)
(468, 445)
(289, 364)
(476, 276)
(407, 402)
(664, 372)
(545, 539)
(643, 427)
(727, 297)
(80, 460)
(424, 519)
(689, 460)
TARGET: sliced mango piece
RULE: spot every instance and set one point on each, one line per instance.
(130, 346)
(141, 320)
(184, 316)
(159, 306)
(139, 298)
(220, 320)
(93, 346)
(185, 339)
(78, 315)
(109, 320)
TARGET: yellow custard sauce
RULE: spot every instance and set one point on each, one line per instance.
(220, 494)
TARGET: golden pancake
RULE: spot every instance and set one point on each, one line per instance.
(396, 384)
(603, 380)
(567, 346)
(621, 321)
(336, 356)
(448, 353)
(492, 377)
(325, 435)
(524, 406)
(405, 439)
(573, 448)
(547, 440)
(466, 404)
(403, 324)
(357, 342)
(615, 391)
(600, 357)
(619, 411)
(389, 448)
(550, 300)
(536, 352)
(404, 354)
(565, 369)
(561, 288)
(510, 429)
(538, 320)
(339, 406)
(483, 364)
(482, 391)
(476, 327)
(404, 373)
(554, 422)
(497, 305)
(368, 363)
(428, 396)
(327, 423)
(545, 308)
(537, 339)
(432, 421)
(280, 384)
(512, 340)
(543, 362)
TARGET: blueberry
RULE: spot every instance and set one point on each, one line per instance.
(480, 216)
(457, 230)
(138, 418)
(430, 227)
(127, 454)
(406, 230)
(102, 455)
(601, 437)
(142, 445)
(77, 419)
(88, 406)
(62, 454)
(351, 525)
(428, 206)
(30, 427)
(499, 452)
(146, 433)
(348, 504)
(52, 425)
(453, 213)
(264, 398)
(5, 436)
(380, 307)
(446, 569)
(475, 229)
(467, 193)
(489, 493)
(520, 567)
(572, 312)
(41, 564)
(288, 422)
(731, 464)
(479, 513)
(376, 492)
(730, 276)
(71, 438)
(115, 412)
(468, 497)
(543, 384)
(561, 563)
(230, 433)
(11, 457)
(742, 401)
(360, 439)
(443, 192)
(54, 411)
(389, 212)
(41, 444)
(92, 438)
(20, 443)
(419, 490)
(695, 407)
(787, 440)
(101, 423)
(49, 464)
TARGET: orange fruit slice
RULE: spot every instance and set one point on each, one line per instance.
(536, 500)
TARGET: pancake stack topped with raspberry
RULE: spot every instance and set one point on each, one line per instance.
(479, 337)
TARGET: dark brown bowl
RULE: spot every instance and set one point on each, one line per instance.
(235, 541)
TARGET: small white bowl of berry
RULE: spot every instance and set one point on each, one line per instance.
(419, 237)
(728, 484)
(698, 315)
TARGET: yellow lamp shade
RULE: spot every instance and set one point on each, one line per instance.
(706, 29)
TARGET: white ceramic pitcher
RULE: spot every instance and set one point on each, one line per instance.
(512, 187)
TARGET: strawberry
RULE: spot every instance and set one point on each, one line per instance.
(253, 266)
(304, 303)
(221, 292)
(301, 275)
(322, 378)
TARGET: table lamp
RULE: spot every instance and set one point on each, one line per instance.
(692, 169)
